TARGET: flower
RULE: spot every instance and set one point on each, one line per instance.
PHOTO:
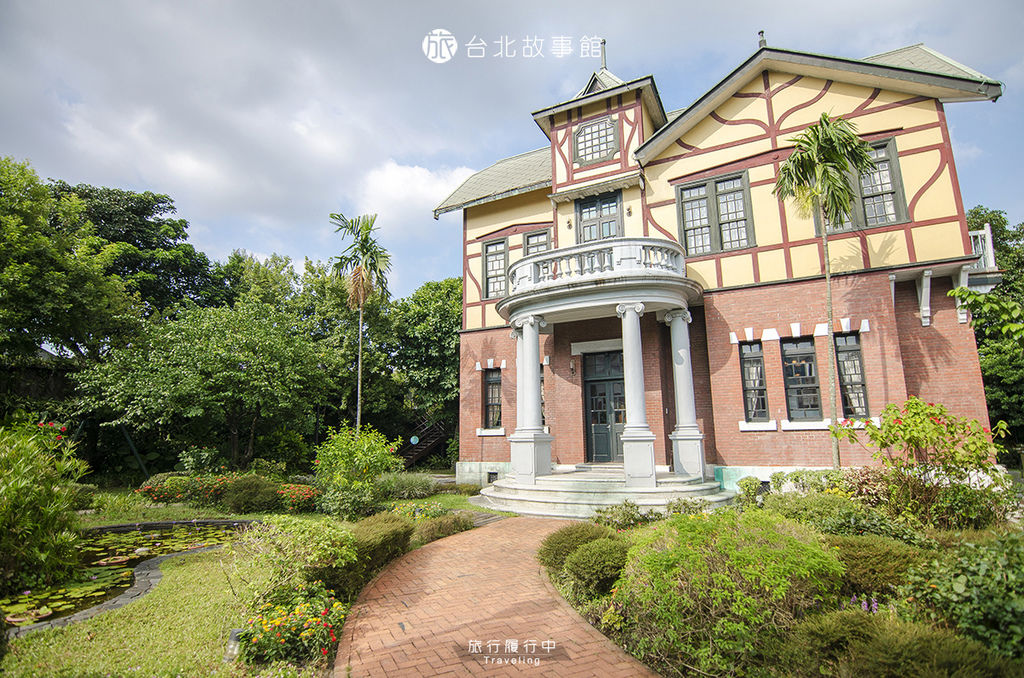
(324, 650)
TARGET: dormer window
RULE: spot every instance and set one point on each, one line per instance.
(596, 141)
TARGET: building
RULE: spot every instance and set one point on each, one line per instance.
(636, 296)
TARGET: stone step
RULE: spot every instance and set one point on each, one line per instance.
(556, 504)
(615, 493)
(601, 483)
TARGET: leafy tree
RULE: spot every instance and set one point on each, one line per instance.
(233, 370)
(817, 176)
(366, 264)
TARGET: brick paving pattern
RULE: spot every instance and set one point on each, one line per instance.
(419, 616)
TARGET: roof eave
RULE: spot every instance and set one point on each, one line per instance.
(648, 90)
(444, 209)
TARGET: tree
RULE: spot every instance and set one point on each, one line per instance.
(231, 370)
(817, 176)
(366, 265)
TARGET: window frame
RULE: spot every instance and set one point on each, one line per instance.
(747, 387)
(504, 268)
(546, 232)
(619, 223)
(714, 225)
(800, 414)
(858, 218)
(607, 121)
(491, 376)
(843, 385)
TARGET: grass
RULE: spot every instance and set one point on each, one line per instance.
(179, 628)
(455, 502)
(125, 506)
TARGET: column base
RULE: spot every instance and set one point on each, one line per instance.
(638, 458)
(531, 455)
(687, 451)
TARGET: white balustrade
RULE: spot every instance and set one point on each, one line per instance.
(981, 245)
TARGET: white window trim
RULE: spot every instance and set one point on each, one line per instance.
(770, 425)
(598, 346)
(816, 425)
(490, 431)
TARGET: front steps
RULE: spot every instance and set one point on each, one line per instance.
(578, 493)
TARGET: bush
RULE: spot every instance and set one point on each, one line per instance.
(406, 486)
(379, 539)
(299, 498)
(348, 457)
(591, 570)
(749, 487)
(38, 525)
(157, 479)
(432, 529)
(467, 489)
(351, 502)
(558, 545)
(874, 564)
(298, 625)
(269, 469)
(979, 590)
(195, 460)
(252, 494)
(959, 507)
(83, 496)
(687, 507)
(419, 510)
(625, 515)
(856, 643)
(710, 592)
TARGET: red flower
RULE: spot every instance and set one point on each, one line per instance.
(985, 429)
(899, 421)
(51, 423)
(59, 437)
(324, 650)
(63, 428)
(39, 424)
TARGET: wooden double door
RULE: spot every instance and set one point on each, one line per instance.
(604, 405)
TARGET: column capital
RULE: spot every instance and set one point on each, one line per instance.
(515, 334)
(537, 320)
(622, 309)
(683, 313)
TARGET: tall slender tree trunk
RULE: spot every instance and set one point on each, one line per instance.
(831, 369)
(359, 372)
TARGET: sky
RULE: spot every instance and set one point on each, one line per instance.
(262, 118)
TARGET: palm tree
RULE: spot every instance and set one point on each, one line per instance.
(365, 264)
(817, 177)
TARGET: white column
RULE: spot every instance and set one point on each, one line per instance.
(637, 439)
(687, 440)
(530, 447)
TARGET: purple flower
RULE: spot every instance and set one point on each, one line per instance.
(874, 605)
(864, 605)
(26, 593)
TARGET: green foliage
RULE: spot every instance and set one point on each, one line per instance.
(749, 487)
(686, 506)
(38, 526)
(299, 498)
(852, 642)
(560, 544)
(350, 457)
(406, 486)
(299, 625)
(83, 496)
(979, 591)
(379, 539)
(159, 478)
(269, 469)
(625, 515)
(708, 593)
(592, 569)
(251, 494)
(353, 501)
(467, 489)
(419, 510)
(431, 529)
(874, 565)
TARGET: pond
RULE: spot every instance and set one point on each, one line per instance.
(108, 558)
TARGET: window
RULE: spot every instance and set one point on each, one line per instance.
(599, 217)
(715, 215)
(755, 391)
(494, 269)
(800, 372)
(879, 200)
(492, 398)
(539, 241)
(595, 141)
(851, 375)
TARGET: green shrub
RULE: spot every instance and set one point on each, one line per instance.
(625, 515)
(195, 460)
(873, 564)
(406, 486)
(299, 498)
(749, 487)
(83, 496)
(252, 494)
(710, 592)
(38, 525)
(379, 539)
(419, 510)
(852, 642)
(348, 457)
(688, 507)
(979, 590)
(592, 569)
(558, 545)
(432, 529)
(158, 479)
(269, 469)
(297, 624)
(351, 502)
(467, 489)
(958, 506)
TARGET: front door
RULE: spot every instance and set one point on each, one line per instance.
(604, 403)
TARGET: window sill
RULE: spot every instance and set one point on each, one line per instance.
(769, 425)
(490, 432)
(819, 425)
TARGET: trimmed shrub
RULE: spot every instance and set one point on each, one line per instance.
(874, 564)
(432, 529)
(38, 525)
(710, 592)
(406, 486)
(591, 570)
(157, 479)
(749, 487)
(558, 545)
(299, 498)
(625, 515)
(856, 643)
(379, 539)
(352, 502)
(687, 507)
(83, 496)
(252, 494)
(979, 590)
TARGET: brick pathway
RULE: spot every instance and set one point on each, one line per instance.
(420, 615)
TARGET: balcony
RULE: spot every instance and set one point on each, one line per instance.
(596, 274)
(983, 275)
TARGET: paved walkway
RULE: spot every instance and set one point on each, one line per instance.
(472, 604)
